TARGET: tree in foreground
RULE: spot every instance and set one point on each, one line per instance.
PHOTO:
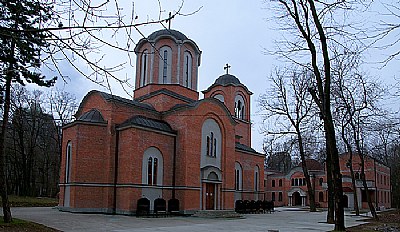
(19, 62)
(308, 21)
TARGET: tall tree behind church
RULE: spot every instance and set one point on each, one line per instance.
(19, 62)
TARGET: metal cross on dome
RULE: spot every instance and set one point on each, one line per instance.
(227, 66)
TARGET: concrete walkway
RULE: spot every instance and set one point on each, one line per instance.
(283, 219)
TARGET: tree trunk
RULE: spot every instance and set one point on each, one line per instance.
(310, 188)
(3, 179)
(369, 200)
(330, 217)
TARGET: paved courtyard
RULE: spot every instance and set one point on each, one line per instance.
(283, 219)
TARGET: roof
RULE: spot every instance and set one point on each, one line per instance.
(167, 32)
(148, 123)
(227, 80)
(313, 164)
(166, 92)
(92, 115)
(245, 148)
(118, 99)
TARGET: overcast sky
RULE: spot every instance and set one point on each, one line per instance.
(226, 31)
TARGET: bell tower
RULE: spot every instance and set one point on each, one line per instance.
(236, 97)
(167, 59)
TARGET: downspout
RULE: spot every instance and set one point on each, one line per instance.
(174, 170)
(114, 210)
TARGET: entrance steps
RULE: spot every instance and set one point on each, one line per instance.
(217, 214)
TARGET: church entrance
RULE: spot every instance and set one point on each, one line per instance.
(210, 196)
(296, 199)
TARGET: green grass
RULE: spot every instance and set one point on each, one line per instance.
(16, 201)
(18, 225)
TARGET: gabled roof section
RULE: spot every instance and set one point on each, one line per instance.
(153, 124)
(195, 104)
(116, 99)
(166, 92)
(245, 148)
(92, 115)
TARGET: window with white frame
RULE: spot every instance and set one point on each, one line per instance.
(239, 107)
(68, 161)
(144, 67)
(165, 55)
(187, 69)
(238, 176)
(152, 168)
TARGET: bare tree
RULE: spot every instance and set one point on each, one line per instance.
(292, 102)
(310, 23)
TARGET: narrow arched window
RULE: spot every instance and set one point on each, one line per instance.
(187, 75)
(280, 182)
(68, 162)
(238, 176)
(256, 178)
(208, 145)
(155, 168)
(165, 65)
(215, 147)
(144, 66)
(239, 107)
(150, 171)
(212, 144)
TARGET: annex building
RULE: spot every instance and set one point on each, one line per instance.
(288, 188)
(165, 143)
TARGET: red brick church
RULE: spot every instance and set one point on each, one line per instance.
(164, 143)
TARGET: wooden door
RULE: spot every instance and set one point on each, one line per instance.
(210, 196)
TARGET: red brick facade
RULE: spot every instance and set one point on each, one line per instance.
(164, 143)
(289, 189)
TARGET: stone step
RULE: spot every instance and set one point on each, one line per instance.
(217, 214)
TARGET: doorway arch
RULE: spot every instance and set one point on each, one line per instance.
(296, 199)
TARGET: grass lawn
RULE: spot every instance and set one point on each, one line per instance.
(19, 225)
(16, 201)
(388, 221)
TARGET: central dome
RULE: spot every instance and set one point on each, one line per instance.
(227, 79)
(167, 32)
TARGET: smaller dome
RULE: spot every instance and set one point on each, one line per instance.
(92, 115)
(167, 32)
(227, 79)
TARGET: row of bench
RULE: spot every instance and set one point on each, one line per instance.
(160, 207)
(251, 206)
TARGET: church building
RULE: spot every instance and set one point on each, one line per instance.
(165, 143)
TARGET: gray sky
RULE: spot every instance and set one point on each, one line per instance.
(226, 31)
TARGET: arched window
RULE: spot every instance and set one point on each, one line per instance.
(165, 65)
(256, 178)
(152, 167)
(280, 196)
(239, 107)
(187, 75)
(144, 67)
(238, 176)
(219, 97)
(280, 182)
(321, 196)
(321, 180)
(211, 145)
(68, 161)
